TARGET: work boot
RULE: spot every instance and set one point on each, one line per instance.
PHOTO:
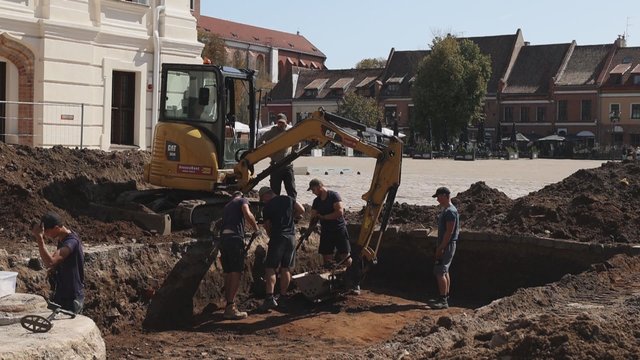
(283, 302)
(268, 304)
(439, 304)
(231, 312)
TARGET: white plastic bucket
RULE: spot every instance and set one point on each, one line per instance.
(8, 282)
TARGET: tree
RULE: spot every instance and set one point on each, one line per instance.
(449, 89)
(377, 63)
(214, 47)
(359, 108)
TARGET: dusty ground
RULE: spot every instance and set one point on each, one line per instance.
(590, 315)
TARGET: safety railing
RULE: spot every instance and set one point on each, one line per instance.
(42, 123)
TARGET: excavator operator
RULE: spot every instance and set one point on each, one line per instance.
(284, 174)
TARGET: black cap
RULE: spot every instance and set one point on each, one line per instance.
(314, 182)
(50, 220)
(442, 191)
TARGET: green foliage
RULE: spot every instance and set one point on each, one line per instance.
(377, 63)
(359, 108)
(214, 47)
(450, 87)
(423, 147)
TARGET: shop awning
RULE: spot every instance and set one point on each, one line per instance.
(585, 133)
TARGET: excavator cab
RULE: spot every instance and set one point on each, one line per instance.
(207, 118)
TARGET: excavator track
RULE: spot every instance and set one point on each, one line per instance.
(164, 210)
(199, 213)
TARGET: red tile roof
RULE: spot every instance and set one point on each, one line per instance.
(230, 30)
(585, 64)
(534, 67)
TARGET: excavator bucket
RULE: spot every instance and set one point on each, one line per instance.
(318, 286)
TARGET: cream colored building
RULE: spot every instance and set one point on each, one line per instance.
(81, 72)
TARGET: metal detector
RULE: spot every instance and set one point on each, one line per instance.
(40, 324)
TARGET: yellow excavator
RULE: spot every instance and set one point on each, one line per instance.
(204, 148)
(207, 118)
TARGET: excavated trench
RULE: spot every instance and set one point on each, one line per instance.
(486, 266)
(176, 286)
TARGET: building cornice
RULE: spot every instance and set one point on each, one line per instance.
(508, 102)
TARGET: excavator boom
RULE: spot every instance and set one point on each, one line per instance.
(317, 131)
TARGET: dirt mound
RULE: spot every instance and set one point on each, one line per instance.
(596, 205)
(599, 205)
(482, 207)
(35, 180)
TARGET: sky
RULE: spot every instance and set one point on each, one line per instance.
(348, 31)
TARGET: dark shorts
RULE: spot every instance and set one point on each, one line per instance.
(442, 265)
(337, 240)
(282, 252)
(232, 253)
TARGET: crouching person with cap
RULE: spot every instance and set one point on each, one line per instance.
(234, 215)
(278, 213)
(448, 230)
(65, 265)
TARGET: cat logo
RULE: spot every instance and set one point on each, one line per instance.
(330, 134)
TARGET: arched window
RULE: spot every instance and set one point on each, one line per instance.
(281, 69)
(260, 64)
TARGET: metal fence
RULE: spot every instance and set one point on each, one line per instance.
(42, 123)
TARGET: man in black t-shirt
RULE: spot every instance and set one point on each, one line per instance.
(327, 208)
(236, 212)
(278, 214)
(65, 265)
(334, 237)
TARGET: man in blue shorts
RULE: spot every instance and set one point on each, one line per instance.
(65, 265)
(278, 214)
(235, 213)
(448, 230)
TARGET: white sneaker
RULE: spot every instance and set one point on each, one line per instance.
(231, 312)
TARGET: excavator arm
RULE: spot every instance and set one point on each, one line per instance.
(317, 131)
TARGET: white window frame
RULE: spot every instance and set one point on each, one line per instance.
(631, 111)
(619, 109)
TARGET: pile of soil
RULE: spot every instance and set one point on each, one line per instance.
(599, 205)
(37, 180)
